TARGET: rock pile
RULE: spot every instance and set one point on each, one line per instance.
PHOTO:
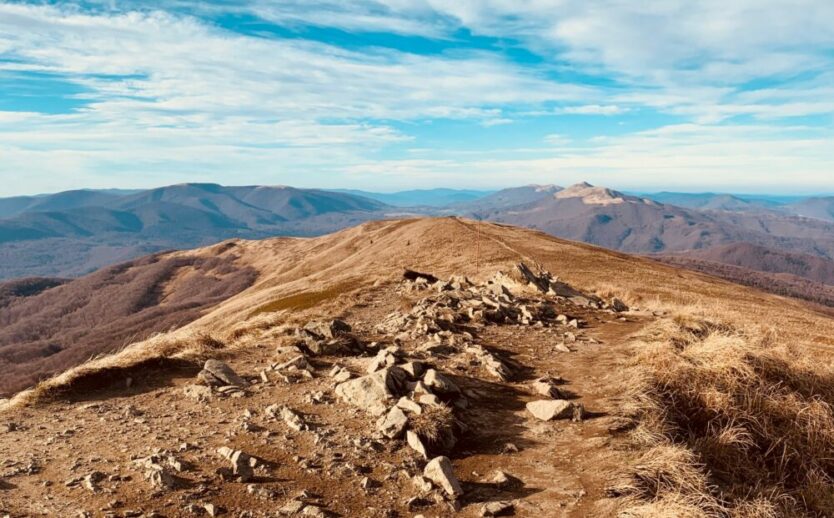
(408, 396)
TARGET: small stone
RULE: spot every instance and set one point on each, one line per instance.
(416, 444)
(548, 410)
(393, 424)
(217, 373)
(92, 480)
(409, 405)
(497, 509)
(561, 348)
(441, 472)
(241, 465)
(440, 383)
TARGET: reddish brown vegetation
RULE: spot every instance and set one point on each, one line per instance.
(13, 290)
(778, 284)
(53, 330)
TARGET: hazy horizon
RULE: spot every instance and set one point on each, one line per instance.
(782, 194)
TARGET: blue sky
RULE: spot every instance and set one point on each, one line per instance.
(397, 94)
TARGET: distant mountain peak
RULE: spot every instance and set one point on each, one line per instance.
(592, 195)
(546, 187)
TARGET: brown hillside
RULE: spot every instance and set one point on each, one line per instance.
(769, 260)
(46, 331)
(750, 369)
(783, 284)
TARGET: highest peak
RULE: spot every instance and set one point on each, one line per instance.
(591, 194)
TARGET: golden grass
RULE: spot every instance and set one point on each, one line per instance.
(305, 300)
(737, 423)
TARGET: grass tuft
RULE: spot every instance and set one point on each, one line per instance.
(738, 423)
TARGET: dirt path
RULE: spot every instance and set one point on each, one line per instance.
(564, 465)
(340, 462)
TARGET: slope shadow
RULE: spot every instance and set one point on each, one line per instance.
(492, 419)
(146, 376)
(481, 492)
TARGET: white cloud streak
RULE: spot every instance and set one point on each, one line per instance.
(170, 93)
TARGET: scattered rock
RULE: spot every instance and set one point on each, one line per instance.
(440, 383)
(550, 409)
(497, 509)
(441, 472)
(241, 465)
(547, 387)
(217, 373)
(393, 424)
(416, 444)
(92, 480)
(373, 392)
(618, 305)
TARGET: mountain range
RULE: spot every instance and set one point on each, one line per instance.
(76, 232)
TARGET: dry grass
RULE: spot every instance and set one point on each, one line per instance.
(738, 424)
(435, 426)
(177, 350)
(305, 300)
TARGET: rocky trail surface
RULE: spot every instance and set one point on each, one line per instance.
(424, 397)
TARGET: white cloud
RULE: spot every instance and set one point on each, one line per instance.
(687, 157)
(197, 98)
(188, 97)
(594, 109)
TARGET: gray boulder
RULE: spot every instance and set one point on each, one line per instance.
(217, 373)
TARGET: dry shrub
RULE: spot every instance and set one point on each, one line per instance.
(749, 422)
(435, 425)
